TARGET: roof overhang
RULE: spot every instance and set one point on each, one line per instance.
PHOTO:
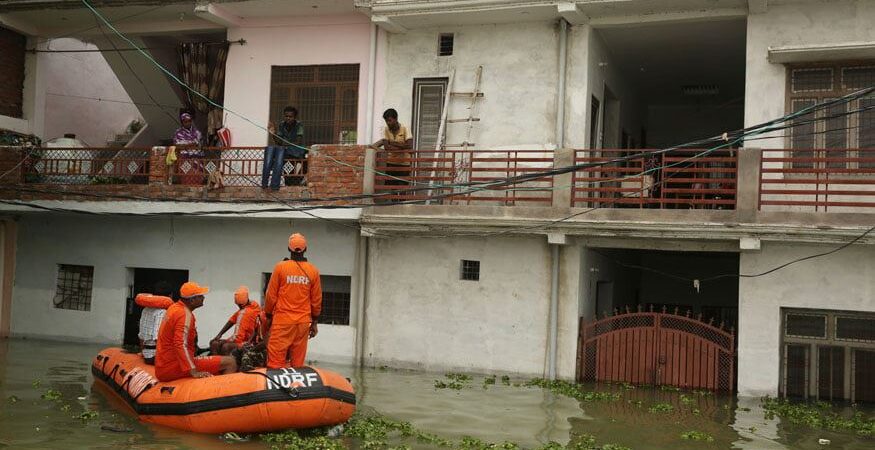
(825, 52)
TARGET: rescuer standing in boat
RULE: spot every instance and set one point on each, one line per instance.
(294, 301)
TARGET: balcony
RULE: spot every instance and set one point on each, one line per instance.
(634, 188)
(144, 174)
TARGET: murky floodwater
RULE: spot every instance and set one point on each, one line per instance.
(529, 416)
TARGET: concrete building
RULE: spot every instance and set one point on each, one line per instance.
(512, 280)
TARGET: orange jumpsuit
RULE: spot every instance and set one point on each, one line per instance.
(294, 298)
(245, 322)
(177, 342)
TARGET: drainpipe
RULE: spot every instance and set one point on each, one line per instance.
(362, 295)
(554, 313)
(367, 136)
(560, 100)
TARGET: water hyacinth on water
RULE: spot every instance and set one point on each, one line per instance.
(818, 415)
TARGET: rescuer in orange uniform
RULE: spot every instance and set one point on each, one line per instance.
(177, 341)
(245, 321)
(294, 301)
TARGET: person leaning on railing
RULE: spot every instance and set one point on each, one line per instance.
(286, 141)
(398, 143)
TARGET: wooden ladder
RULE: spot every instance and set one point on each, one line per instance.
(462, 160)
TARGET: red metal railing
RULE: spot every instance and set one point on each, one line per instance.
(420, 169)
(681, 179)
(822, 179)
(239, 166)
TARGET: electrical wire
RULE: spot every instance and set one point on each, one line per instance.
(827, 103)
(116, 20)
(135, 74)
(99, 99)
(506, 181)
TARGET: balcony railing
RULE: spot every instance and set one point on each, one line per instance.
(238, 166)
(451, 170)
(87, 166)
(680, 179)
(775, 180)
(838, 180)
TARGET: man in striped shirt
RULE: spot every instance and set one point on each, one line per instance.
(177, 341)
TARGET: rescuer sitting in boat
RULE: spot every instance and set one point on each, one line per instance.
(177, 341)
(245, 323)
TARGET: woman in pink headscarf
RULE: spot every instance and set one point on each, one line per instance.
(188, 139)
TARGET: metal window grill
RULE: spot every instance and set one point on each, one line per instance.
(74, 287)
(812, 80)
(470, 270)
(806, 325)
(326, 97)
(335, 299)
(445, 44)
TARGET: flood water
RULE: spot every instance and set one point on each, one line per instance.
(528, 416)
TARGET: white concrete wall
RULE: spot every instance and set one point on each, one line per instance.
(75, 82)
(302, 41)
(841, 281)
(420, 314)
(220, 253)
(591, 68)
(519, 81)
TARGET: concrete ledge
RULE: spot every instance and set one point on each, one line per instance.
(703, 225)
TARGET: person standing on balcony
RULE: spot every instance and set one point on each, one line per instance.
(188, 140)
(294, 302)
(397, 142)
(286, 144)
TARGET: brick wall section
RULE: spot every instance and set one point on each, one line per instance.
(326, 178)
(336, 171)
(12, 46)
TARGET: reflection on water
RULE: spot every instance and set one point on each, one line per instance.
(528, 416)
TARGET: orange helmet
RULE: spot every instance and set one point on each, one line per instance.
(241, 295)
(192, 289)
(297, 243)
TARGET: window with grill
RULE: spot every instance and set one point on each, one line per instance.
(335, 299)
(841, 136)
(806, 325)
(855, 328)
(828, 355)
(326, 97)
(470, 270)
(445, 44)
(74, 287)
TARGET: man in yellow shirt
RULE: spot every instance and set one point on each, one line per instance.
(397, 142)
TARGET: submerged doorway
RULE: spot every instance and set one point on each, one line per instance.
(644, 319)
(144, 280)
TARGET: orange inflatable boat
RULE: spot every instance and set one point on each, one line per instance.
(248, 402)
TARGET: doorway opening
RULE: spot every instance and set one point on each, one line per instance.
(144, 280)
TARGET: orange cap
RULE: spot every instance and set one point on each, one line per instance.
(297, 243)
(191, 289)
(241, 295)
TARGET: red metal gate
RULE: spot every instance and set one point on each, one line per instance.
(657, 348)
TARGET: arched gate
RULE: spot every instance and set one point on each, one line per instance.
(657, 348)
